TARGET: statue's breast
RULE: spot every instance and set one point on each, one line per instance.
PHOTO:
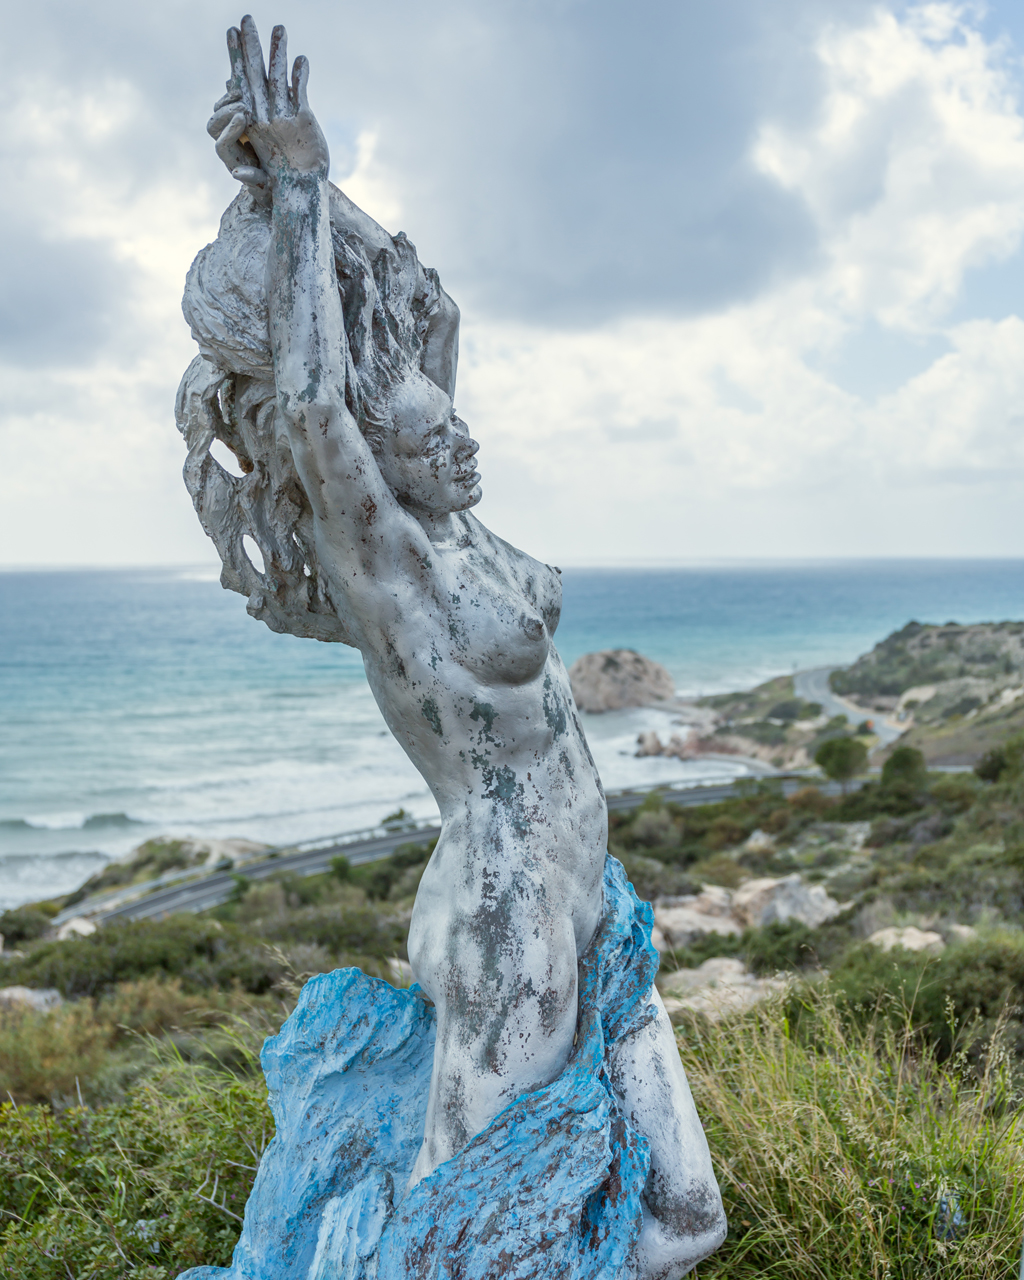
(499, 625)
(500, 639)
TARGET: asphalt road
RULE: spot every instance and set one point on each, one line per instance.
(813, 686)
(212, 890)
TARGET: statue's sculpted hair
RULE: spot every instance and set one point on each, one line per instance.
(228, 394)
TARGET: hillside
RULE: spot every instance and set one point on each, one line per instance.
(771, 724)
(958, 690)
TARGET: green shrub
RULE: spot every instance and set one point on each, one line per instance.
(380, 880)
(147, 1187)
(905, 764)
(959, 997)
(1002, 762)
(43, 1055)
(23, 924)
(724, 831)
(955, 792)
(777, 946)
(653, 879)
(841, 758)
(201, 952)
(350, 932)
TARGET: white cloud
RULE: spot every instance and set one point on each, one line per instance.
(653, 434)
(913, 169)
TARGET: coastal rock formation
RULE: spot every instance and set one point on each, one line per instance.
(649, 744)
(76, 927)
(618, 678)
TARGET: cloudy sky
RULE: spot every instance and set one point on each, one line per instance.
(741, 279)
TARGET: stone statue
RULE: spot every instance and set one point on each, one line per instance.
(523, 1110)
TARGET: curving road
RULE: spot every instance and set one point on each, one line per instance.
(212, 890)
(813, 686)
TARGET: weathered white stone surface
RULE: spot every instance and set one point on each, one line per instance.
(616, 678)
(717, 987)
(680, 920)
(76, 927)
(42, 999)
(767, 901)
(962, 932)
(910, 938)
(760, 842)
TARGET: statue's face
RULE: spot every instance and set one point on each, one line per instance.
(427, 456)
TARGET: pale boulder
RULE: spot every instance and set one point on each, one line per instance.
(616, 678)
(760, 842)
(41, 999)
(768, 901)
(76, 927)
(962, 933)
(719, 986)
(910, 938)
(681, 920)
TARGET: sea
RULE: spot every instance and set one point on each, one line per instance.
(137, 703)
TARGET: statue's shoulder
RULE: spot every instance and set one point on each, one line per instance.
(540, 583)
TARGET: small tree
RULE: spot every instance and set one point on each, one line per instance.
(906, 764)
(841, 758)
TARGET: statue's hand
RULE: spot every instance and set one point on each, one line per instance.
(264, 128)
(232, 114)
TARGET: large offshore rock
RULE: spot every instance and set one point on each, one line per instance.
(768, 901)
(618, 678)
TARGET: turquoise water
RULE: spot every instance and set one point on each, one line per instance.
(141, 702)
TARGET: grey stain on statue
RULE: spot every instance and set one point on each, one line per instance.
(432, 715)
(485, 713)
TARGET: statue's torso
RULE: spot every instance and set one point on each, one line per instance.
(470, 683)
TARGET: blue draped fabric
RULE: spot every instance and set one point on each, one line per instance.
(550, 1190)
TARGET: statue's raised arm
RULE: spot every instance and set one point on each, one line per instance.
(542, 1074)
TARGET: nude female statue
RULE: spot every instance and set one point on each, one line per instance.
(454, 625)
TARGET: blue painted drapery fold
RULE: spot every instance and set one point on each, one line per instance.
(550, 1190)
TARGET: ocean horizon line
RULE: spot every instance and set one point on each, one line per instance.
(712, 562)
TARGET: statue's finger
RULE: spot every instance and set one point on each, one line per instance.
(234, 94)
(255, 73)
(300, 80)
(280, 103)
(251, 177)
(239, 82)
(220, 120)
(228, 142)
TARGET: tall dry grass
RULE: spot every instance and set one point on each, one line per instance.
(850, 1151)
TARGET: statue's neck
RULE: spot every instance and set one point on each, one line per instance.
(450, 529)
